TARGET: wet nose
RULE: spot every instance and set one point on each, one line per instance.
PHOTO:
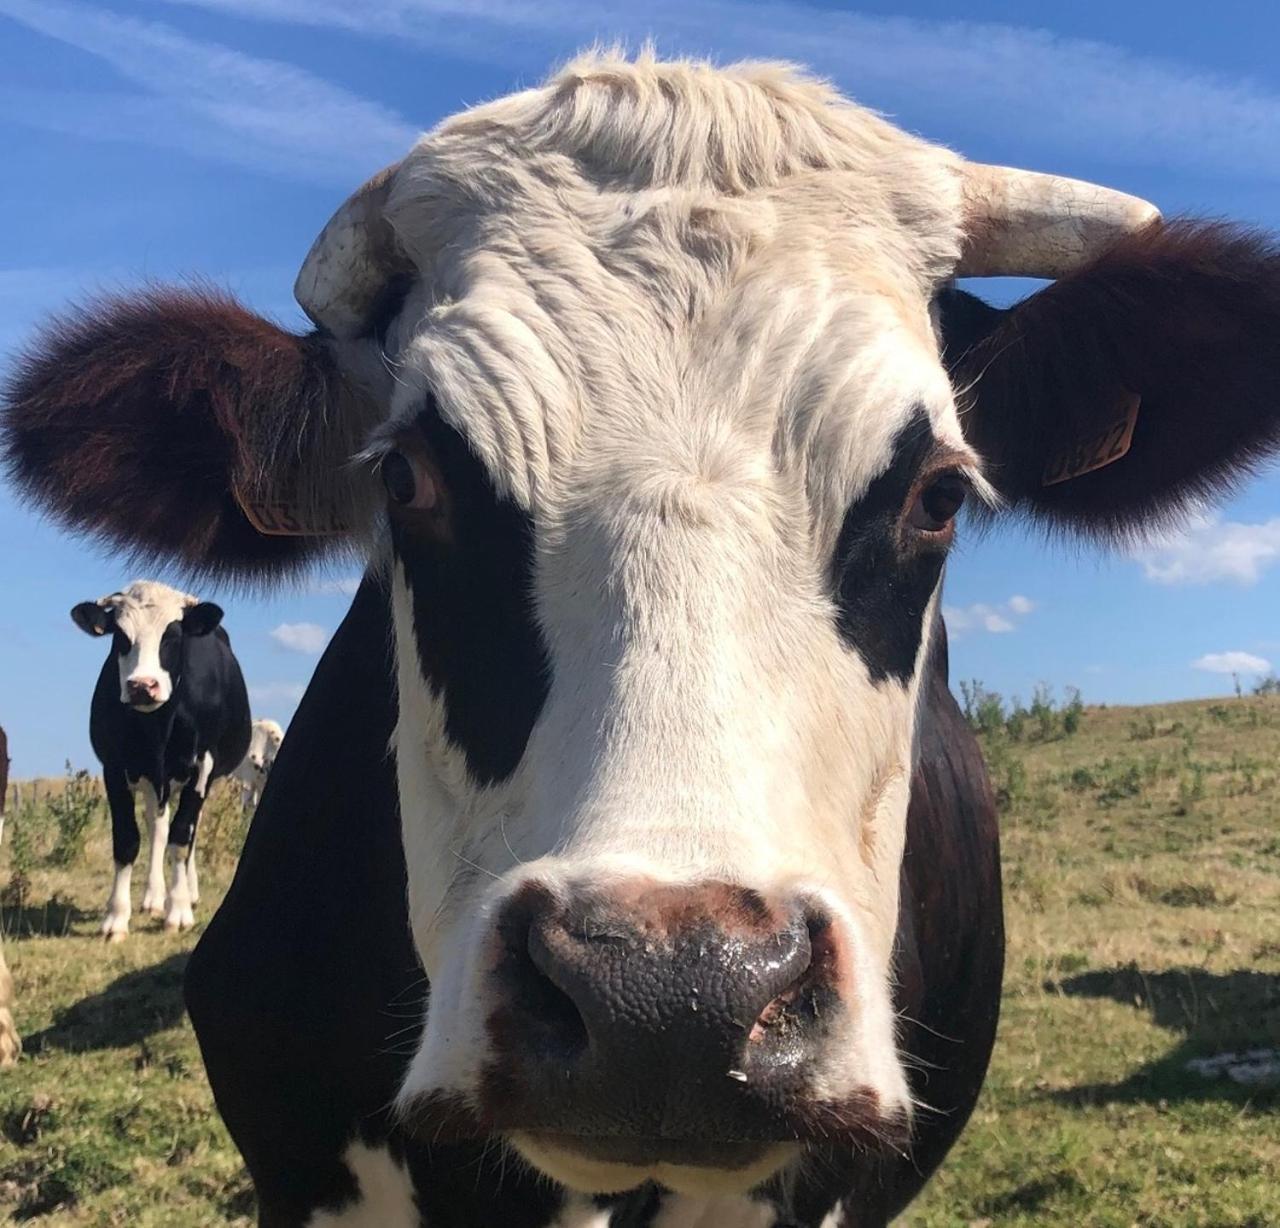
(657, 1012)
(143, 690)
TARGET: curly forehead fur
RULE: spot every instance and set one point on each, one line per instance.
(716, 266)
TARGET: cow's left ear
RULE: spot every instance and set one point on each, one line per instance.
(1124, 391)
(201, 618)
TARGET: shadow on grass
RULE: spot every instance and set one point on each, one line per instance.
(1214, 1012)
(52, 919)
(130, 1009)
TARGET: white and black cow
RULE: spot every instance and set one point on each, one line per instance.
(636, 740)
(264, 745)
(170, 711)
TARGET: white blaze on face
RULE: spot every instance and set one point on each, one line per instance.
(143, 613)
(686, 385)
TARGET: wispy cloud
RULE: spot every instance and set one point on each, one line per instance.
(308, 638)
(997, 619)
(1213, 550)
(1232, 663)
(267, 693)
(206, 99)
(1025, 86)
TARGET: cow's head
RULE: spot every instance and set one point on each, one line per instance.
(666, 407)
(147, 622)
(264, 744)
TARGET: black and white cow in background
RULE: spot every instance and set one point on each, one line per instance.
(251, 775)
(169, 712)
(637, 739)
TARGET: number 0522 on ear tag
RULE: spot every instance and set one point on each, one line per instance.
(1099, 450)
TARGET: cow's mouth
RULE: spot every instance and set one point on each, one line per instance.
(690, 1166)
(144, 705)
(648, 1152)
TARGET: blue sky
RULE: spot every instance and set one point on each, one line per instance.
(161, 138)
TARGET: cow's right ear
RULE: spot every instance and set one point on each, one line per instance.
(92, 618)
(183, 428)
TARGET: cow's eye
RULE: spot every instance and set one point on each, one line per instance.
(938, 503)
(408, 481)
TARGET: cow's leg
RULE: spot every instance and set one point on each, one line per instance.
(158, 829)
(182, 834)
(10, 1041)
(193, 884)
(124, 849)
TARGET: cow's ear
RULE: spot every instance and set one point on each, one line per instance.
(1146, 381)
(182, 427)
(92, 618)
(201, 618)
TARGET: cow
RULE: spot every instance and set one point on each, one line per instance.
(169, 712)
(628, 862)
(10, 1041)
(251, 775)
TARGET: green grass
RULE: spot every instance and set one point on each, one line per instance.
(1142, 867)
(1142, 871)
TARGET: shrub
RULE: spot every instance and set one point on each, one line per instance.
(1042, 712)
(74, 814)
(1072, 712)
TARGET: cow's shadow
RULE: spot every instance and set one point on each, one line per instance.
(54, 918)
(1212, 1013)
(130, 1009)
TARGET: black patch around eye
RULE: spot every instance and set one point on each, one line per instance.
(171, 648)
(882, 587)
(473, 614)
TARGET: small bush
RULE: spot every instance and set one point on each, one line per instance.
(74, 814)
(1270, 685)
(1072, 712)
(1042, 712)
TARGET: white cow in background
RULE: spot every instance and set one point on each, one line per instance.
(264, 745)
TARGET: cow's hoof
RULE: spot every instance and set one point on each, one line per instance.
(179, 920)
(154, 904)
(156, 913)
(113, 936)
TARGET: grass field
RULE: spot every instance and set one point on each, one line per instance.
(1142, 868)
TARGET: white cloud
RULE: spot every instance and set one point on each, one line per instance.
(1126, 108)
(345, 586)
(1232, 663)
(205, 99)
(1212, 549)
(996, 619)
(268, 693)
(309, 638)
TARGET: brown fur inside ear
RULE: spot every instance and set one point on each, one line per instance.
(130, 420)
(1185, 315)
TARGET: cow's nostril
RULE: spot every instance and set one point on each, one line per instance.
(539, 986)
(797, 1006)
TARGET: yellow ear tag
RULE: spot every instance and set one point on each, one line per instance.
(1099, 450)
(286, 517)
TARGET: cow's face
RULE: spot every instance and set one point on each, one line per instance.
(264, 745)
(662, 586)
(646, 361)
(147, 622)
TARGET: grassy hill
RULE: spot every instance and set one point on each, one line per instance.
(1142, 870)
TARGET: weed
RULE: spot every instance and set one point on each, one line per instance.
(74, 812)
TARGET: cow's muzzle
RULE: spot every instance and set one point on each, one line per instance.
(645, 1026)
